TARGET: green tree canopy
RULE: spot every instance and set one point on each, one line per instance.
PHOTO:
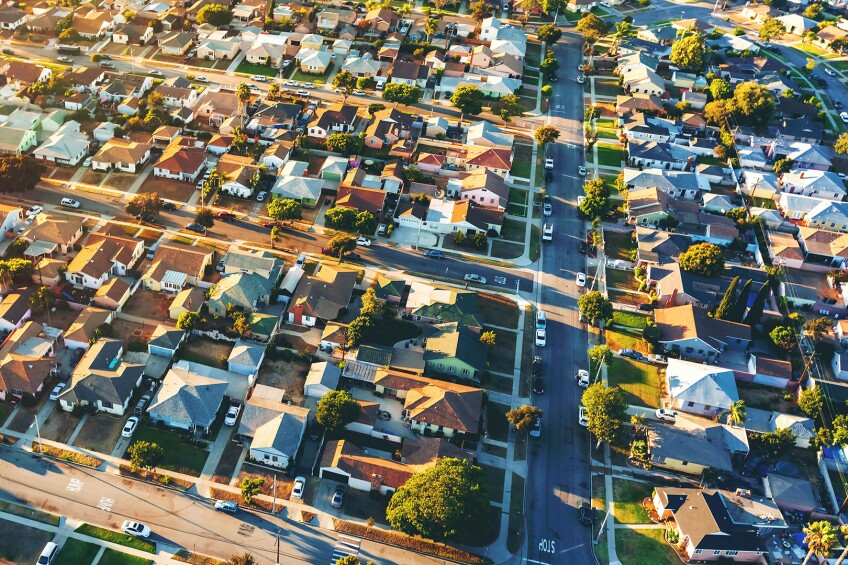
(336, 409)
(250, 487)
(784, 337)
(546, 134)
(591, 27)
(445, 502)
(605, 408)
(549, 33)
(205, 217)
(401, 93)
(705, 259)
(285, 209)
(341, 243)
(214, 14)
(468, 100)
(690, 52)
(726, 304)
(145, 455)
(841, 145)
(365, 222)
(741, 305)
(594, 306)
(752, 104)
(480, 10)
(508, 106)
(524, 417)
(772, 29)
(818, 328)
(811, 401)
(720, 89)
(144, 204)
(600, 354)
(774, 443)
(344, 143)
(716, 112)
(19, 173)
(188, 321)
(344, 81)
(340, 217)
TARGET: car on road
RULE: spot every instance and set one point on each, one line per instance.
(536, 431)
(627, 352)
(309, 85)
(646, 307)
(553, 78)
(261, 196)
(226, 506)
(87, 162)
(34, 211)
(359, 93)
(583, 417)
(471, 277)
(302, 92)
(363, 241)
(547, 209)
(272, 225)
(582, 378)
(580, 79)
(541, 338)
(666, 415)
(580, 280)
(541, 320)
(298, 488)
(548, 232)
(291, 83)
(538, 366)
(837, 104)
(136, 529)
(337, 500)
(8, 52)
(584, 512)
(107, 65)
(130, 426)
(70, 203)
(169, 206)
(829, 72)
(141, 405)
(434, 254)
(352, 257)
(259, 78)
(57, 390)
(549, 176)
(821, 82)
(225, 216)
(156, 73)
(581, 170)
(195, 227)
(843, 116)
(65, 59)
(583, 248)
(549, 164)
(232, 415)
(654, 358)
(538, 385)
(201, 79)
(252, 86)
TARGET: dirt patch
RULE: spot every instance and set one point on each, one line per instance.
(21, 544)
(237, 205)
(207, 352)
(498, 310)
(122, 181)
(61, 318)
(62, 173)
(150, 305)
(284, 484)
(287, 375)
(227, 463)
(167, 188)
(59, 425)
(23, 420)
(131, 332)
(99, 433)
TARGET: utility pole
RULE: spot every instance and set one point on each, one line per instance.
(274, 511)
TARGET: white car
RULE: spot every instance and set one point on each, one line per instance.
(286, 63)
(259, 78)
(581, 280)
(547, 209)
(541, 338)
(34, 211)
(666, 415)
(548, 232)
(843, 116)
(583, 417)
(156, 73)
(829, 72)
(201, 79)
(549, 164)
(536, 431)
(582, 378)
(359, 93)
(657, 358)
(607, 4)
(65, 59)
(291, 83)
(136, 529)
(302, 92)
(580, 79)
(57, 390)
(363, 241)
(581, 171)
(308, 85)
(70, 203)
(261, 196)
(130, 426)
(232, 415)
(87, 162)
(299, 486)
(475, 278)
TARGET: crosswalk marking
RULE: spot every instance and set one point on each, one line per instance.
(74, 485)
(345, 545)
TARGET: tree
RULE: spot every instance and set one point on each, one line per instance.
(345, 81)
(489, 338)
(145, 455)
(623, 30)
(727, 301)
(545, 135)
(401, 93)
(772, 29)
(239, 324)
(250, 487)
(468, 100)
(547, 90)
(364, 83)
(340, 217)
(375, 107)
(782, 166)
(337, 409)
(370, 303)
(841, 145)
(188, 321)
(509, 106)
(720, 89)
(344, 143)
(605, 409)
(446, 502)
(600, 355)
(549, 66)
(716, 112)
(358, 330)
(549, 33)
(42, 299)
(341, 244)
(738, 311)
(810, 66)
(736, 414)
(365, 222)
(19, 173)
(594, 306)
(63, 24)
(690, 52)
(703, 259)
(285, 209)
(784, 337)
(594, 206)
(351, 559)
(774, 443)
(844, 531)
(70, 36)
(752, 104)
(480, 10)
(818, 328)
(813, 12)
(524, 417)
(430, 27)
(591, 27)
(274, 91)
(247, 558)
(144, 204)
(811, 401)
(205, 218)
(214, 14)
(820, 539)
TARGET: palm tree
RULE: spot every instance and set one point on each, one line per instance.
(736, 413)
(275, 235)
(844, 531)
(821, 537)
(430, 27)
(622, 30)
(243, 96)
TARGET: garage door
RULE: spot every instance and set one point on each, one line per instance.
(333, 476)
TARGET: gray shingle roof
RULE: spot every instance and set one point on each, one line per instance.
(187, 397)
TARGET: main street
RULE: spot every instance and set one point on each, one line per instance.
(558, 473)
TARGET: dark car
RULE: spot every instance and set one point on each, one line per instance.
(226, 216)
(549, 176)
(106, 57)
(822, 82)
(538, 366)
(170, 206)
(538, 385)
(195, 227)
(584, 514)
(584, 247)
(272, 225)
(434, 254)
(8, 52)
(352, 257)
(330, 252)
(837, 104)
(553, 78)
(646, 307)
(149, 218)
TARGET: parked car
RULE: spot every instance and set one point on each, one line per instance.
(70, 203)
(107, 65)
(136, 529)
(583, 417)
(536, 431)
(8, 52)
(434, 254)
(141, 405)
(302, 92)
(259, 78)
(337, 500)
(582, 378)
(541, 338)
(646, 307)
(837, 104)
(299, 486)
(350, 256)
(580, 280)
(666, 415)
(548, 232)
(65, 59)
(87, 162)
(232, 415)
(538, 366)
(57, 390)
(470, 277)
(156, 73)
(48, 554)
(196, 228)
(130, 427)
(359, 93)
(581, 170)
(363, 241)
(34, 211)
(584, 512)
(220, 266)
(291, 83)
(201, 79)
(538, 385)
(580, 79)
(654, 358)
(169, 206)
(226, 506)
(261, 196)
(547, 209)
(627, 352)
(226, 216)
(829, 72)
(843, 116)
(549, 164)
(583, 247)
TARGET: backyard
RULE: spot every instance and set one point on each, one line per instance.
(619, 337)
(619, 245)
(207, 352)
(640, 382)
(179, 456)
(610, 155)
(617, 278)
(627, 498)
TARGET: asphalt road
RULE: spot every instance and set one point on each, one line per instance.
(176, 520)
(558, 460)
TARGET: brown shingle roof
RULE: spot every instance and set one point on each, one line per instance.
(362, 199)
(447, 405)
(179, 158)
(121, 151)
(689, 322)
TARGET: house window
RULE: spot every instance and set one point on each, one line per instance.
(684, 463)
(732, 552)
(450, 369)
(717, 552)
(106, 404)
(690, 404)
(17, 392)
(706, 407)
(689, 350)
(697, 552)
(465, 371)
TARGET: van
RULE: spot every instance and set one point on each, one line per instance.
(541, 320)
(48, 554)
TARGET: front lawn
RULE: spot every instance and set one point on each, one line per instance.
(518, 196)
(502, 355)
(533, 55)
(608, 87)
(179, 456)
(77, 552)
(300, 76)
(643, 547)
(619, 245)
(112, 557)
(252, 69)
(521, 161)
(498, 310)
(627, 497)
(619, 278)
(496, 424)
(116, 537)
(639, 382)
(610, 155)
(514, 230)
(630, 319)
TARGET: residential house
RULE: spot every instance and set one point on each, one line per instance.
(123, 155)
(692, 333)
(275, 428)
(180, 162)
(642, 80)
(323, 296)
(176, 43)
(103, 256)
(820, 247)
(240, 175)
(51, 234)
(276, 155)
(14, 311)
(20, 75)
(494, 159)
(411, 74)
(389, 126)
(767, 422)
(87, 327)
(176, 94)
(668, 156)
(338, 118)
(449, 216)
(101, 381)
(218, 48)
(314, 62)
(246, 292)
(176, 265)
(187, 300)
(434, 304)
(828, 215)
(246, 357)
(333, 336)
(112, 295)
(12, 18)
(676, 184)
(656, 247)
(165, 341)
(700, 389)
(11, 218)
(132, 34)
(187, 401)
(390, 289)
(363, 199)
(66, 146)
(484, 134)
(455, 351)
(216, 106)
(95, 24)
(692, 446)
(647, 207)
(362, 66)
(305, 190)
(380, 20)
(818, 184)
(26, 360)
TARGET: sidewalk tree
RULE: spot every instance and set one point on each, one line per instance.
(430, 27)
(145, 455)
(820, 539)
(549, 33)
(841, 145)
(447, 502)
(591, 27)
(214, 14)
(524, 417)
(144, 204)
(341, 243)
(188, 321)
(508, 107)
(784, 337)
(345, 81)
(594, 306)
(736, 414)
(594, 206)
(205, 218)
(365, 222)
(727, 301)
(771, 29)
(811, 401)
(340, 217)
(245, 559)
(375, 107)
(605, 408)
(818, 328)
(250, 487)
(705, 259)
(600, 355)
(337, 409)
(19, 173)
(480, 10)
(738, 311)
(274, 91)
(468, 100)
(545, 135)
(285, 209)
(549, 66)
(401, 93)
(690, 52)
